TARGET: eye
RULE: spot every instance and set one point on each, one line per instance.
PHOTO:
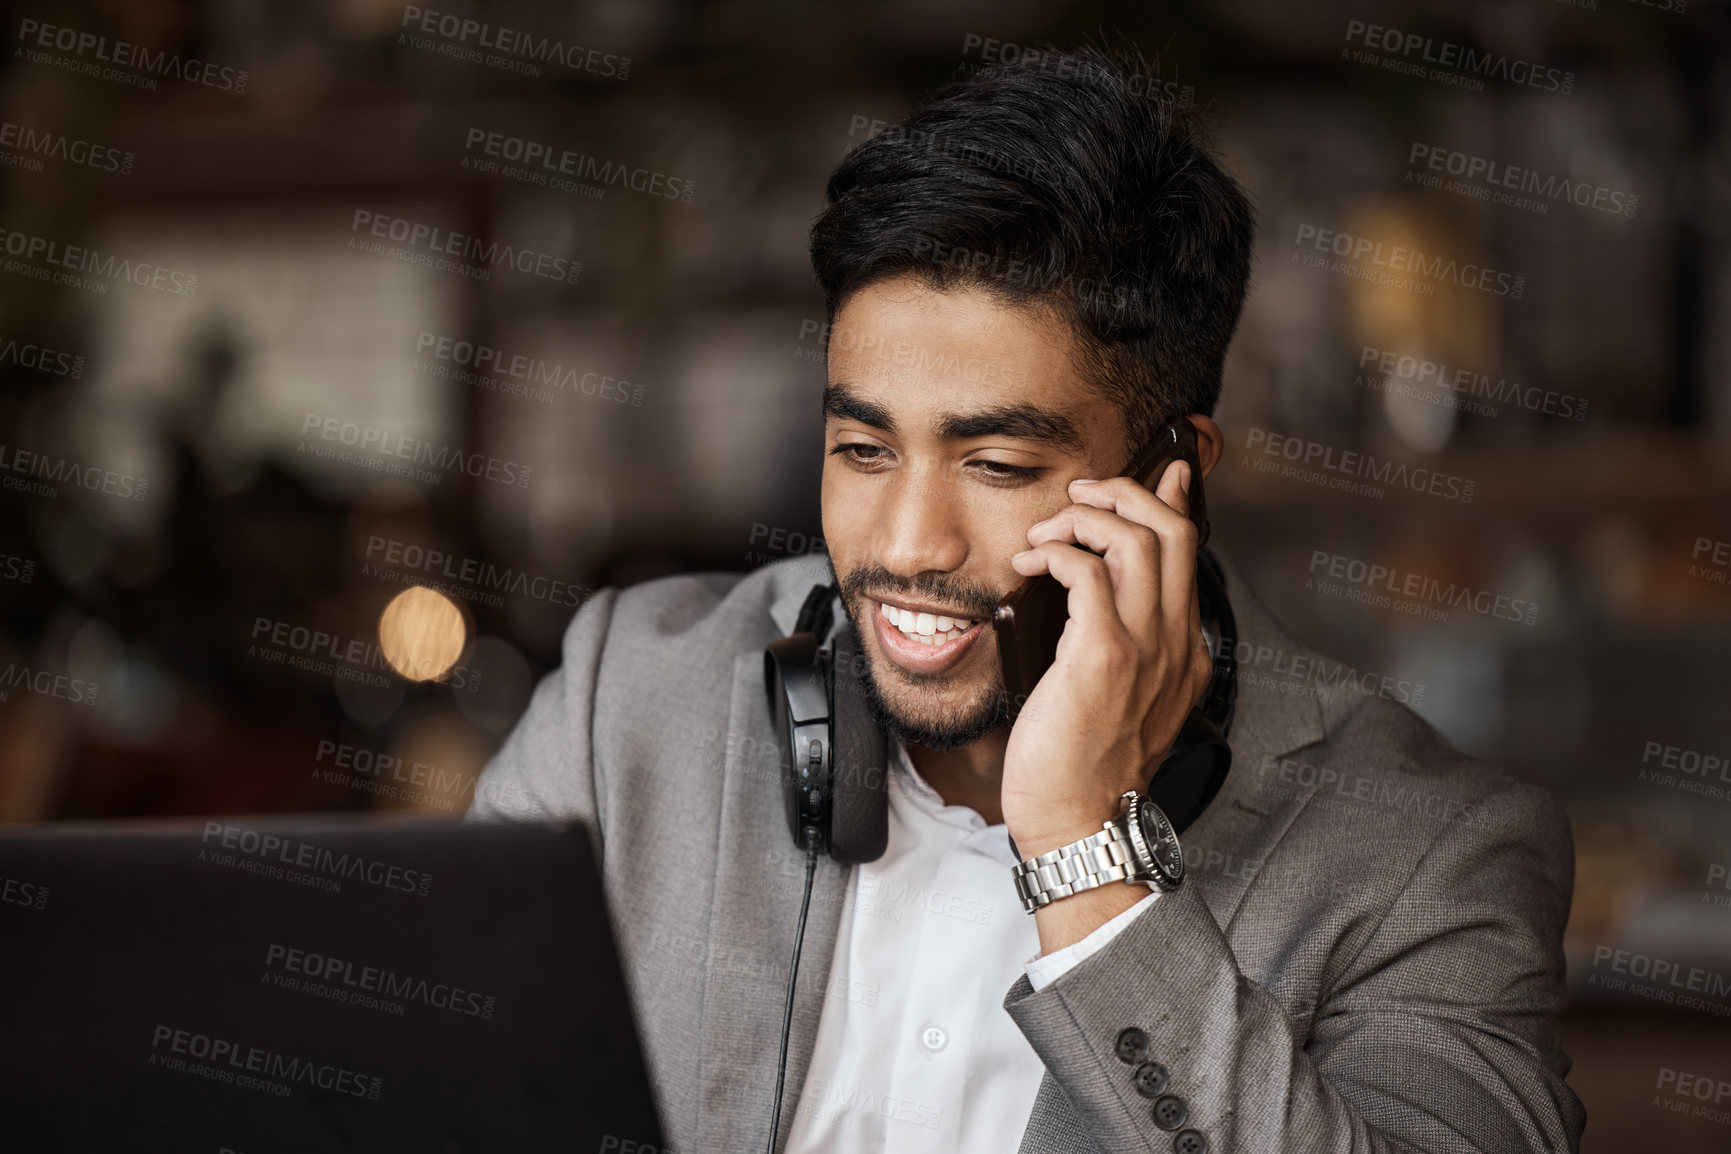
(1001, 472)
(858, 453)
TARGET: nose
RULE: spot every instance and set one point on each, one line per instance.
(920, 528)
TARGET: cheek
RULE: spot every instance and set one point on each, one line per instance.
(846, 510)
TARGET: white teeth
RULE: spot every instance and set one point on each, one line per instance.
(926, 628)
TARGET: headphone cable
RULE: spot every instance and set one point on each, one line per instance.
(792, 977)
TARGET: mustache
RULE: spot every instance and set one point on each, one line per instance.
(966, 598)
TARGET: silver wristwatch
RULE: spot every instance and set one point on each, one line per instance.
(1139, 845)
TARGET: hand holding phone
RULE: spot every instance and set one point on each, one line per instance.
(1031, 618)
(1101, 655)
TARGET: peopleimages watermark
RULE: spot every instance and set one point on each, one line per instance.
(615, 1144)
(1676, 7)
(1718, 874)
(1718, 567)
(1296, 673)
(1446, 62)
(19, 569)
(991, 50)
(77, 266)
(829, 1100)
(503, 371)
(778, 542)
(881, 897)
(1272, 667)
(18, 892)
(1687, 770)
(1509, 185)
(548, 166)
(921, 359)
(466, 577)
(300, 647)
(46, 683)
(1397, 266)
(1660, 979)
(1318, 463)
(118, 60)
(963, 149)
(42, 359)
(419, 782)
(391, 448)
(29, 148)
(345, 981)
(272, 855)
(1289, 777)
(507, 49)
(1702, 1088)
(252, 1067)
(430, 246)
(1387, 587)
(46, 472)
(1085, 291)
(1468, 390)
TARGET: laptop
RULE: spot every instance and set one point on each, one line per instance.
(287, 985)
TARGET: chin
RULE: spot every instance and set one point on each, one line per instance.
(937, 718)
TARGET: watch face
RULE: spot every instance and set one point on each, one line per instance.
(1162, 842)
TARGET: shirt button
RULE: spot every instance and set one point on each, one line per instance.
(934, 1038)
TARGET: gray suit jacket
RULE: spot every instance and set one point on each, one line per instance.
(1366, 955)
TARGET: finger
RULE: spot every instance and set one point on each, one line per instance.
(1090, 602)
(1174, 486)
(1128, 498)
(1130, 550)
(1179, 537)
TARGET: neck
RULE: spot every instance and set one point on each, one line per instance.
(970, 775)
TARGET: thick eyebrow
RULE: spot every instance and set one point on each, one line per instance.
(1023, 422)
(844, 404)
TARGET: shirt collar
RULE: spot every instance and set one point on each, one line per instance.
(991, 840)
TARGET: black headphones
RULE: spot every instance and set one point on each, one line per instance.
(835, 757)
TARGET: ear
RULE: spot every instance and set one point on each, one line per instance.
(1210, 442)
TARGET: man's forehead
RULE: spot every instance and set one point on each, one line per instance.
(962, 333)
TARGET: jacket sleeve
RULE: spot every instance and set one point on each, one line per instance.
(1440, 1035)
(546, 768)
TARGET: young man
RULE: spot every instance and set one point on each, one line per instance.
(1025, 280)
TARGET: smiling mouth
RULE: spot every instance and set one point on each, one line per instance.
(926, 628)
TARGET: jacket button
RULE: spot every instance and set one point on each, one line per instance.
(1132, 1045)
(1190, 1142)
(1170, 1112)
(1149, 1079)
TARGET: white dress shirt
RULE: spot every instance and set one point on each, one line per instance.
(914, 1050)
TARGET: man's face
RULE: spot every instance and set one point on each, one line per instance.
(953, 423)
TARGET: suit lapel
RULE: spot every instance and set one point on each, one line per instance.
(754, 912)
(1279, 711)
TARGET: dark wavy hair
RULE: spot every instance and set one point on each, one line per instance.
(1063, 180)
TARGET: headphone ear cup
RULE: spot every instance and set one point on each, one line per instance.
(859, 785)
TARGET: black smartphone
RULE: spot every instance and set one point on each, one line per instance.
(1031, 617)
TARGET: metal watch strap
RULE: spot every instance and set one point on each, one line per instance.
(1107, 856)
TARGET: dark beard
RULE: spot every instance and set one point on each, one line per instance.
(977, 718)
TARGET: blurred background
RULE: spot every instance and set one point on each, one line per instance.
(346, 346)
